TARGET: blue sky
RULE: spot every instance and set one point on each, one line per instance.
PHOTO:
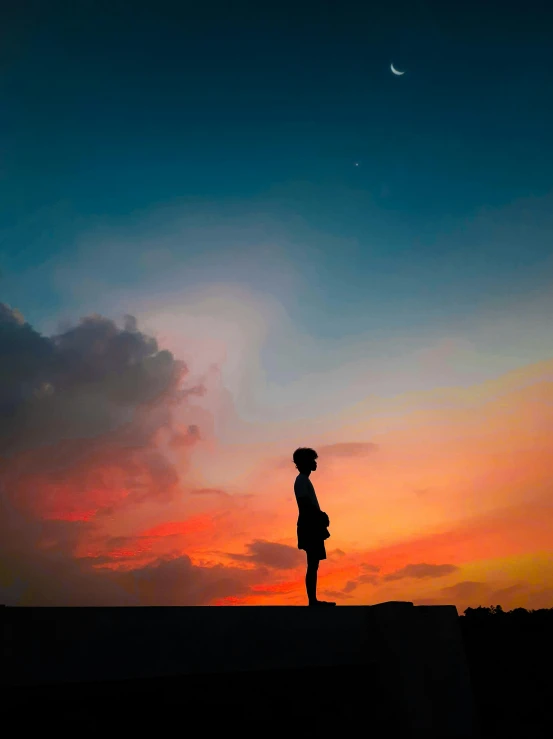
(243, 125)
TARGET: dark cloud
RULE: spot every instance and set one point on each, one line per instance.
(335, 554)
(82, 414)
(271, 554)
(505, 594)
(61, 581)
(38, 567)
(466, 589)
(338, 594)
(420, 571)
(467, 593)
(83, 383)
(85, 416)
(347, 449)
(24, 355)
(369, 568)
(540, 599)
(472, 593)
(177, 582)
(365, 579)
(349, 586)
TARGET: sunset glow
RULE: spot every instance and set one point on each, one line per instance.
(195, 280)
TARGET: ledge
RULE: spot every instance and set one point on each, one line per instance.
(391, 658)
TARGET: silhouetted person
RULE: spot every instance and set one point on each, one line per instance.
(312, 522)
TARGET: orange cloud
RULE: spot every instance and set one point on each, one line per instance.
(181, 528)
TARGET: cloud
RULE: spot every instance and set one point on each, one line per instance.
(349, 586)
(83, 382)
(420, 571)
(271, 554)
(369, 568)
(366, 579)
(347, 449)
(468, 593)
(84, 416)
(38, 568)
(178, 582)
(338, 594)
(504, 596)
(210, 491)
(128, 552)
(88, 420)
(276, 588)
(540, 599)
(466, 589)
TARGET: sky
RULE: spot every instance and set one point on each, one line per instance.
(229, 230)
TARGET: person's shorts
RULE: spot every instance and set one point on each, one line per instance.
(315, 550)
(312, 539)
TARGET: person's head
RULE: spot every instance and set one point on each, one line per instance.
(305, 459)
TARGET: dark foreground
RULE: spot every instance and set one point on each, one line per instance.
(285, 702)
(510, 657)
(509, 665)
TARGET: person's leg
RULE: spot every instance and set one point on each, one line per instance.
(313, 558)
(311, 578)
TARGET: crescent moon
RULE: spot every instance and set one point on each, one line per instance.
(395, 71)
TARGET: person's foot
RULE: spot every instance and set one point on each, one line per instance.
(322, 603)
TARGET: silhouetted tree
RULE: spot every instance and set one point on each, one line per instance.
(485, 612)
